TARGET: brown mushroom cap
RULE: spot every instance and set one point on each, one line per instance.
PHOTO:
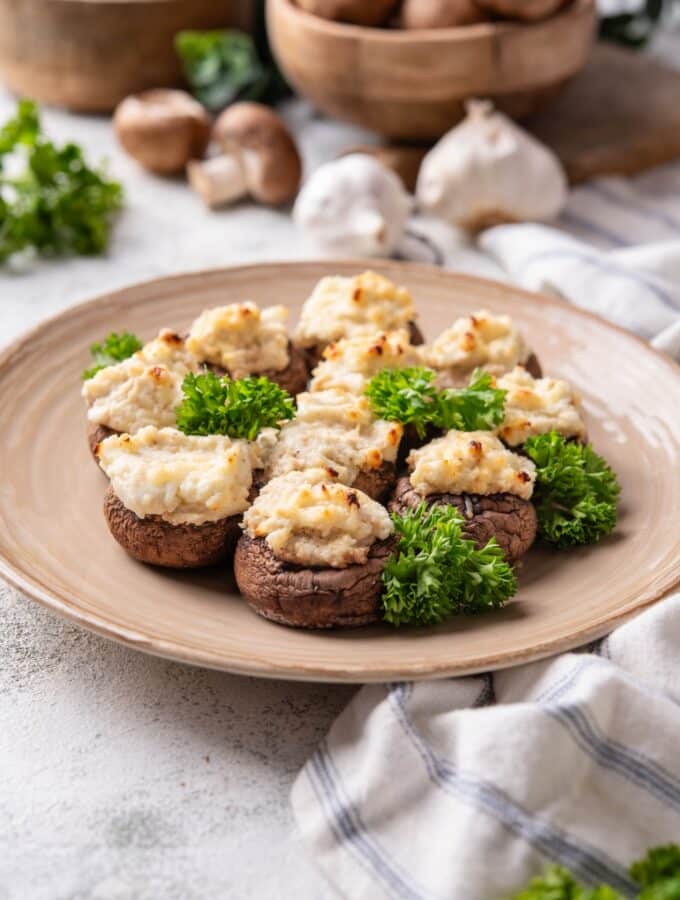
(95, 435)
(522, 10)
(416, 14)
(157, 542)
(450, 378)
(162, 129)
(510, 519)
(292, 378)
(268, 152)
(313, 597)
(355, 12)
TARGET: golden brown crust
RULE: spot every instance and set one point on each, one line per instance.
(154, 541)
(314, 354)
(309, 597)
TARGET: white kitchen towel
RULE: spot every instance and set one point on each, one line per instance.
(463, 789)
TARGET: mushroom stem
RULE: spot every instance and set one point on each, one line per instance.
(218, 181)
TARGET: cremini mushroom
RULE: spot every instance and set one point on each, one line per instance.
(417, 14)
(162, 129)
(522, 10)
(355, 12)
(258, 158)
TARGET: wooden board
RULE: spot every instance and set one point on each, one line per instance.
(620, 116)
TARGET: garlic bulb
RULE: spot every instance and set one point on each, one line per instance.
(353, 206)
(488, 170)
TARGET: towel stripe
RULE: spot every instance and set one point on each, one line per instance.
(629, 204)
(576, 220)
(585, 861)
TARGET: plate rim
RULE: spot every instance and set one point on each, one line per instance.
(299, 670)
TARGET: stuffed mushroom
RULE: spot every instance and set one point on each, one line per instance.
(489, 485)
(143, 390)
(313, 552)
(350, 363)
(176, 500)
(241, 339)
(348, 307)
(537, 406)
(479, 341)
(336, 431)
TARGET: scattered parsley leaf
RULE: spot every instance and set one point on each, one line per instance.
(405, 395)
(411, 397)
(113, 349)
(478, 407)
(223, 67)
(435, 572)
(241, 409)
(657, 874)
(576, 492)
(56, 204)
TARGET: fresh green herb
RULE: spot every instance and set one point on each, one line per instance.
(54, 204)
(406, 395)
(478, 407)
(113, 349)
(576, 491)
(241, 409)
(410, 396)
(223, 67)
(657, 875)
(435, 572)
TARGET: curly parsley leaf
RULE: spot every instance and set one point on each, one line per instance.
(411, 397)
(658, 873)
(478, 407)
(55, 203)
(113, 349)
(576, 492)
(557, 884)
(405, 395)
(223, 67)
(435, 572)
(241, 409)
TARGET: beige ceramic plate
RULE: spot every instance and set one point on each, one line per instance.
(54, 544)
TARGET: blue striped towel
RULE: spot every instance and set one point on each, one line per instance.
(463, 789)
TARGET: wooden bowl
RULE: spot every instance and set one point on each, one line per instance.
(413, 85)
(89, 54)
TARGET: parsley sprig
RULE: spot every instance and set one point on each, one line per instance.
(576, 491)
(657, 875)
(55, 203)
(435, 572)
(113, 349)
(241, 409)
(411, 397)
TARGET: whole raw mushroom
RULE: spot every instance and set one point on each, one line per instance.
(162, 129)
(353, 206)
(521, 10)
(418, 14)
(355, 12)
(258, 158)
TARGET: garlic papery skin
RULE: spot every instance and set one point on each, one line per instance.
(353, 206)
(488, 170)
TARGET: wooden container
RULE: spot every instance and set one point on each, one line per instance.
(412, 85)
(89, 54)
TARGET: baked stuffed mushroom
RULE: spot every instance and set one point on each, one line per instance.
(350, 363)
(144, 389)
(336, 431)
(241, 339)
(480, 341)
(313, 552)
(538, 405)
(175, 500)
(350, 307)
(489, 485)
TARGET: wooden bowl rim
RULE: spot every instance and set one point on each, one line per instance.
(396, 36)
